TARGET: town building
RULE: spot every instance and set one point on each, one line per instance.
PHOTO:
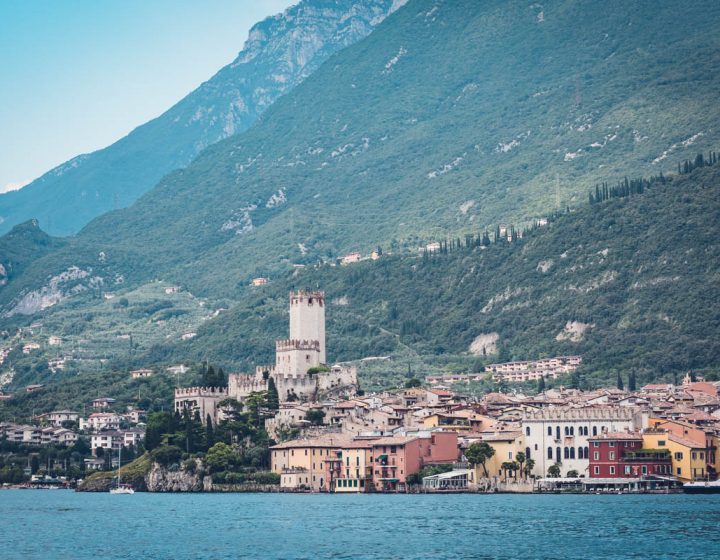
(622, 455)
(98, 421)
(561, 435)
(103, 402)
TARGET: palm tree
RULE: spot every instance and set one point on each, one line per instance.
(520, 458)
(529, 466)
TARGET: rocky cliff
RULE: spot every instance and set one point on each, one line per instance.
(164, 479)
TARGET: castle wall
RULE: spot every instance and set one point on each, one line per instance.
(295, 357)
(204, 400)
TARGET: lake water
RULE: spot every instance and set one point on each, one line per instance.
(60, 524)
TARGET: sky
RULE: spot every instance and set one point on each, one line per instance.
(77, 75)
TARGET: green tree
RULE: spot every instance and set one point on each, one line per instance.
(209, 432)
(273, 399)
(520, 458)
(529, 466)
(221, 457)
(315, 416)
(554, 471)
(412, 383)
(479, 453)
(34, 464)
(619, 383)
(632, 382)
(573, 473)
(509, 468)
(541, 384)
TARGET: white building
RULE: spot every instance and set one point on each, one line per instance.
(100, 421)
(560, 435)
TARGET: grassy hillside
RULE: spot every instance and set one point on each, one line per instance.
(450, 117)
(636, 273)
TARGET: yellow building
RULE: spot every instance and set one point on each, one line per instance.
(689, 459)
(307, 463)
(353, 471)
(506, 446)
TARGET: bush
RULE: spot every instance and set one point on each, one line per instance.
(166, 455)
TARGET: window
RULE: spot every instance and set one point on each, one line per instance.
(558, 456)
(594, 430)
(527, 453)
(572, 431)
(611, 444)
(580, 453)
(566, 453)
(661, 443)
(596, 455)
(596, 444)
(527, 430)
(572, 452)
(644, 469)
(612, 455)
(612, 469)
(596, 470)
(628, 470)
(678, 455)
(679, 471)
(549, 452)
(510, 455)
(694, 455)
(557, 432)
(549, 430)
(393, 449)
(567, 431)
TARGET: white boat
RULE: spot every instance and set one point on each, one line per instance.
(121, 488)
(702, 487)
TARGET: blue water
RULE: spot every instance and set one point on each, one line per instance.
(59, 524)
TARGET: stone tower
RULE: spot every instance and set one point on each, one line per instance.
(307, 318)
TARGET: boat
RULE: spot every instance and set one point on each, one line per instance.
(121, 488)
(702, 487)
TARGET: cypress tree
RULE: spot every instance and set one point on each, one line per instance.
(632, 382)
(273, 399)
(541, 384)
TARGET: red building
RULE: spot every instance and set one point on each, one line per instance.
(621, 455)
(398, 457)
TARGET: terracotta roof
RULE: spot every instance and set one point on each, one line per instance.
(616, 435)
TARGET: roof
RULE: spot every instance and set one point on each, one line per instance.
(493, 436)
(331, 441)
(616, 435)
(449, 474)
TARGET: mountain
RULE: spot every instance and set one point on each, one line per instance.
(449, 119)
(625, 283)
(280, 52)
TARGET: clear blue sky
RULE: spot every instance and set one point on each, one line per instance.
(76, 75)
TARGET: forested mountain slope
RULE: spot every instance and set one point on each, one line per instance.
(449, 118)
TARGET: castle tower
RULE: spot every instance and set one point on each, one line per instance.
(307, 318)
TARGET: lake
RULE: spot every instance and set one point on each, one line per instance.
(60, 524)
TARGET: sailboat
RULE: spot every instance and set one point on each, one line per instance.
(121, 488)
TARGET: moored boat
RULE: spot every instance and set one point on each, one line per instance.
(702, 487)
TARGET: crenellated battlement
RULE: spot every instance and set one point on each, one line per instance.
(309, 297)
(292, 344)
(185, 392)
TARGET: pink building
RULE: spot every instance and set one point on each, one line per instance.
(394, 458)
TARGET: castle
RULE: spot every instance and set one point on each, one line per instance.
(300, 372)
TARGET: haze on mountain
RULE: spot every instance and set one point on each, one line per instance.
(280, 52)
